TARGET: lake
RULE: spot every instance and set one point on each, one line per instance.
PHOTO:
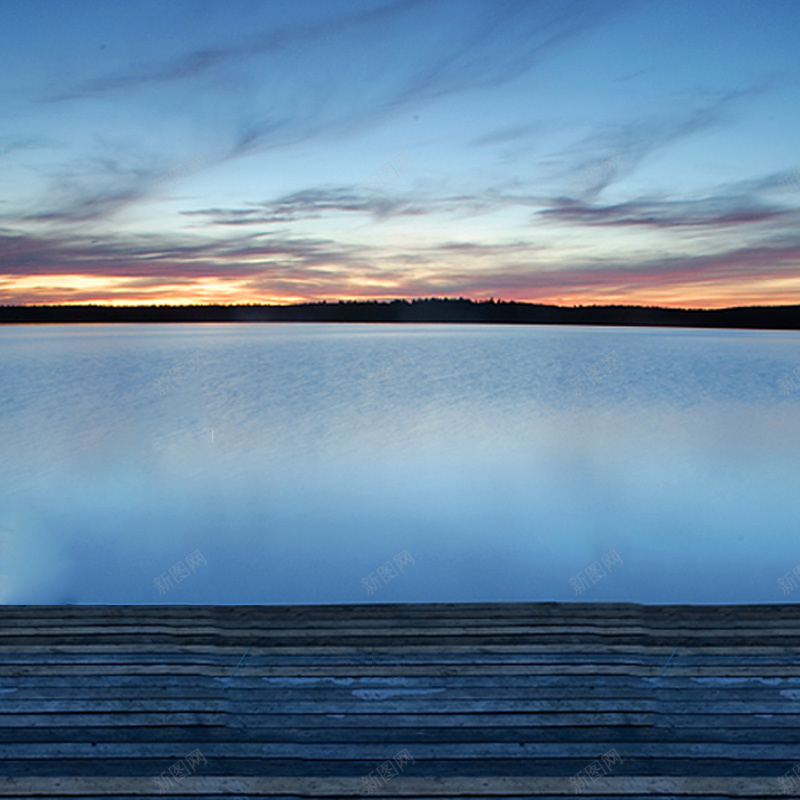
(293, 463)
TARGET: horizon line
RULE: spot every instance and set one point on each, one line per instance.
(495, 301)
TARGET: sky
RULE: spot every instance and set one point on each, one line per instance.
(279, 152)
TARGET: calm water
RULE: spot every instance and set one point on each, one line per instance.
(284, 463)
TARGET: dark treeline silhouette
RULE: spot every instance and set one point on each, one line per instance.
(427, 310)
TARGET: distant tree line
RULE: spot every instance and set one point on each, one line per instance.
(440, 310)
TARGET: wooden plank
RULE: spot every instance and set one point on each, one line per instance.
(294, 683)
(599, 735)
(401, 610)
(395, 705)
(144, 627)
(404, 720)
(371, 750)
(494, 700)
(252, 795)
(384, 657)
(336, 768)
(400, 621)
(601, 616)
(409, 670)
(323, 719)
(400, 786)
(376, 693)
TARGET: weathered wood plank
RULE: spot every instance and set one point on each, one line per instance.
(379, 692)
(405, 720)
(584, 795)
(363, 671)
(576, 646)
(400, 786)
(331, 735)
(396, 704)
(44, 629)
(371, 750)
(324, 718)
(337, 768)
(407, 610)
(494, 700)
(294, 683)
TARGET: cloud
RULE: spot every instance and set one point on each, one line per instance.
(89, 207)
(311, 204)
(466, 59)
(254, 136)
(633, 142)
(508, 135)
(510, 38)
(99, 187)
(742, 265)
(380, 204)
(164, 258)
(23, 143)
(259, 265)
(202, 60)
(488, 44)
(708, 213)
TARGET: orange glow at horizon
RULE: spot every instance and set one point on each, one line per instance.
(564, 300)
(68, 290)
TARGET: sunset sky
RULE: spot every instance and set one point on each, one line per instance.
(242, 151)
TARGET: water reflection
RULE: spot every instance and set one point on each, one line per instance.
(298, 458)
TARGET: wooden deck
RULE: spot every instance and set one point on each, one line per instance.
(467, 700)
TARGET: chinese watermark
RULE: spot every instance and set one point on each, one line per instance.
(386, 571)
(389, 172)
(183, 370)
(191, 434)
(386, 771)
(183, 169)
(594, 771)
(179, 770)
(790, 382)
(179, 571)
(387, 372)
(594, 373)
(787, 781)
(594, 572)
(788, 582)
(596, 172)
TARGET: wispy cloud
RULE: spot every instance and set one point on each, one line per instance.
(527, 32)
(636, 140)
(89, 207)
(260, 266)
(310, 204)
(708, 213)
(9, 146)
(197, 62)
(292, 110)
(507, 135)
